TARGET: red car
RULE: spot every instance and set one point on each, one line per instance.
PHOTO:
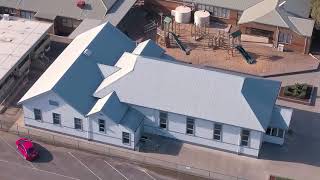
(26, 148)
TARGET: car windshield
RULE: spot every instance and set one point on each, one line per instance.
(30, 150)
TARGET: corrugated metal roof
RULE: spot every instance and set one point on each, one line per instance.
(84, 26)
(149, 48)
(230, 4)
(173, 87)
(74, 75)
(281, 117)
(268, 12)
(132, 119)
(118, 11)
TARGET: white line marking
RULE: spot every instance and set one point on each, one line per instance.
(116, 170)
(36, 169)
(15, 150)
(84, 165)
(145, 171)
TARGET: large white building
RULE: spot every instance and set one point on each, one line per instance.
(20, 41)
(105, 88)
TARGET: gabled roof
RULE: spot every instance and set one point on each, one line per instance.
(277, 13)
(111, 107)
(194, 92)
(107, 70)
(149, 48)
(281, 117)
(230, 4)
(74, 75)
(117, 111)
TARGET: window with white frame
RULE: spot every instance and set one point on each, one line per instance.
(163, 118)
(56, 118)
(276, 132)
(245, 136)
(126, 138)
(190, 126)
(102, 125)
(285, 37)
(78, 123)
(217, 132)
(37, 114)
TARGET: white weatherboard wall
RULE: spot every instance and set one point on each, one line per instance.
(112, 134)
(203, 132)
(67, 115)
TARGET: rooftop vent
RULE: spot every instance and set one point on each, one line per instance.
(81, 3)
(87, 52)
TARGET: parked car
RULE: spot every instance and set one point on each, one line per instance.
(26, 148)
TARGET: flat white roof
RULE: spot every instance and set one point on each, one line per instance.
(17, 38)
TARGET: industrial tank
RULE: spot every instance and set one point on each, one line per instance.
(202, 18)
(182, 14)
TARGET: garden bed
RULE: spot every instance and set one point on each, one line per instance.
(278, 178)
(298, 93)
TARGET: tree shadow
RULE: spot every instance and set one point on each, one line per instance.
(44, 155)
(302, 144)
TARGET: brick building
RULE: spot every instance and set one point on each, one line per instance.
(277, 21)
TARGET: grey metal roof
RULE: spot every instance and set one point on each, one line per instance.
(149, 48)
(84, 26)
(268, 12)
(132, 119)
(281, 117)
(94, 9)
(219, 97)
(73, 75)
(45, 15)
(230, 4)
(118, 11)
(107, 70)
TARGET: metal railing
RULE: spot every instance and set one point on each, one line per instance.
(94, 147)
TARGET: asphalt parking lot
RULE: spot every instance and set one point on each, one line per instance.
(57, 163)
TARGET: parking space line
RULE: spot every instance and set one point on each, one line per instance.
(36, 169)
(14, 149)
(84, 165)
(116, 170)
(146, 172)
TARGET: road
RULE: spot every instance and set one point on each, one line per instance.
(57, 163)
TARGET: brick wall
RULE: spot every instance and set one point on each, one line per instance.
(298, 44)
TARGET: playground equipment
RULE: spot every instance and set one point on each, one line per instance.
(245, 54)
(179, 43)
(167, 32)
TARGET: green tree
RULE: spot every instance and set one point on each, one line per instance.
(315, 12)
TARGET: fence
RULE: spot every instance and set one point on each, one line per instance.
(137, 157)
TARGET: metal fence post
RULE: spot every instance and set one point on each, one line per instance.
(18, 129)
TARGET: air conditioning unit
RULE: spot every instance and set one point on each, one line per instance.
(281, 47)
(6, 17)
